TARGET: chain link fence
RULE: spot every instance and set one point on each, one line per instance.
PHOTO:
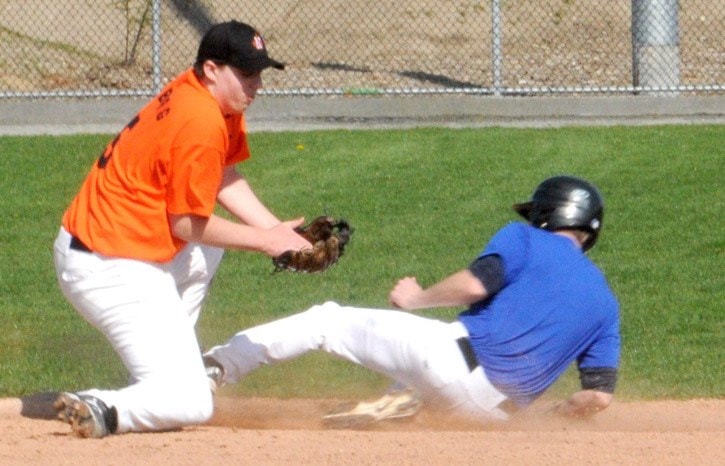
(92, 48)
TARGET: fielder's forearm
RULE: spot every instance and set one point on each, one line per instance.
(237, 197)
(220, 232)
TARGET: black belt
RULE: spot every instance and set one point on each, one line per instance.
(507, 406)
(78, 245)
(467, 351)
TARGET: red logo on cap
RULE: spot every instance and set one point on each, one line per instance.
(258, 42)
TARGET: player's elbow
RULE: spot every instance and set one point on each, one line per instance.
(187, 227)
(600, 400)
(594, 401)
(585, 404)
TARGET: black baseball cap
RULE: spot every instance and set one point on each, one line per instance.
(238, 45)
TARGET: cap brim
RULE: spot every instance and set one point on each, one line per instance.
(265, 63)
(278, 65)
(258, 64)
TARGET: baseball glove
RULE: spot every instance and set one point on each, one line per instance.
(328, 237)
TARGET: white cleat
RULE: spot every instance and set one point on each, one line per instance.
(397, 405)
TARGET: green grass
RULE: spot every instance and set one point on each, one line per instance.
(422, 202)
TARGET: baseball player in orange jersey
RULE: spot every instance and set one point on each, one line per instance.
(140, 242)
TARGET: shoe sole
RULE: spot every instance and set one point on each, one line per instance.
(74, 411)
(349, 421)
(346, 418)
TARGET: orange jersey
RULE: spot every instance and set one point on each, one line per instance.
(168, 160)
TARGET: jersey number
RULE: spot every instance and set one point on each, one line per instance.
(163, 110)
(106, 155)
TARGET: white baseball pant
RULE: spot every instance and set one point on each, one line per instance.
(147, 311)
(415, 351)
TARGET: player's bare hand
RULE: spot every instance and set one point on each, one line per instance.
(405, 294)
(283, 237)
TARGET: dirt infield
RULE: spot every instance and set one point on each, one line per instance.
(268, 431)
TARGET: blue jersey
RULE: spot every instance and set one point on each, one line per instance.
(554, 308)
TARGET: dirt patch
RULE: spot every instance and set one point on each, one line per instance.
(269, 431)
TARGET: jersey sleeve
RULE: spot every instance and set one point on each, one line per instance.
(605, 350)
(238, 144)
(197, 170)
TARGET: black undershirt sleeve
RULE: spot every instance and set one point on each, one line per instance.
(602, 379)
(489, 270)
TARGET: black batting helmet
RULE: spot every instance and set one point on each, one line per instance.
(565, 202)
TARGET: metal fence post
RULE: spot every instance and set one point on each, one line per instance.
(655, 45)
(496, 45)
(156, 45)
